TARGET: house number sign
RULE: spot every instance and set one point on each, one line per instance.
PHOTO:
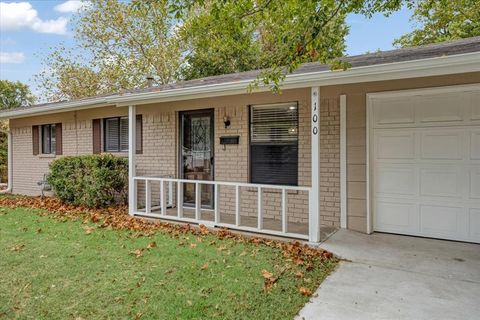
(315, 114)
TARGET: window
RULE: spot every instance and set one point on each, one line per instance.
(116, 134)
(48, 138)
(274, 144)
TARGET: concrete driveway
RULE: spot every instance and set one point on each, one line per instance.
(398, 277)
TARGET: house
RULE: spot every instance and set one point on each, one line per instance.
(392, 144)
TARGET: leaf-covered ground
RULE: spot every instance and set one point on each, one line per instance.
(61, 264)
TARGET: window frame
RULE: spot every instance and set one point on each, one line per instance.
(104, 124)
(51, 129)
(274, 143)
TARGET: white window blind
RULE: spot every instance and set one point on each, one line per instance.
(274, 123)
(112, 135)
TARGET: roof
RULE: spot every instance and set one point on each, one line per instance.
(433, 52)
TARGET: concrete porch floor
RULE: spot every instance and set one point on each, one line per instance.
(398, 277)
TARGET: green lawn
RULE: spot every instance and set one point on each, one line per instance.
(64, 270)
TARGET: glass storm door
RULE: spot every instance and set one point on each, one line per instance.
(196, 154)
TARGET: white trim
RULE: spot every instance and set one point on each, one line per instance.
(343, 161)
(314, 195)
(461, 63)
(369, 129)
(132, 190)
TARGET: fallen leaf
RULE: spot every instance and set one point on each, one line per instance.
(88, 229)
(152, 245)
(299, 274)
(305, 291)
(243, 253)
(17, 247)
(205, 266)
(193, 245)
(137, 253)
(266, 274)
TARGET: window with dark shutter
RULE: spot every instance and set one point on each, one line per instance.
(274, 144)
(116, 134)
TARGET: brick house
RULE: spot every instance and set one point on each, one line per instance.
(392, 145)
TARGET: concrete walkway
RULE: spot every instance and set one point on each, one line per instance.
(398, 277)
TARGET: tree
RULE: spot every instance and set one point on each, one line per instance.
(14, 95)
(237, 35)
(116, 48)
(442, 20)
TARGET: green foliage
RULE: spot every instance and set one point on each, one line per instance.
(90, 180)
(225, 36)
(442, 20)
(14, 95)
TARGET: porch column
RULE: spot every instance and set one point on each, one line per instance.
(132, 193)
(314, 202)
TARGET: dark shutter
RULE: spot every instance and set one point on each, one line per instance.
(35, 140)
(97, 135)
(139, 134)
(58, 139)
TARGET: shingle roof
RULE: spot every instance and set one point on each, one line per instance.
(462, 46)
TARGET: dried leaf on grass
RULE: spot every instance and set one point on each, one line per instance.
(305, 291)
(152, 245)
(17, 247)
(137, 253)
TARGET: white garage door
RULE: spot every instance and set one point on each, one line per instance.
(425, 162)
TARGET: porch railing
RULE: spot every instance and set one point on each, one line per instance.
(169, 209)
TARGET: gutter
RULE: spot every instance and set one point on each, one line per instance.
(444, 65)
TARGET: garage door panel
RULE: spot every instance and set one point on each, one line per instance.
(441, 181)
(439, 108)
(393, 111)
(475, 105)
(395, 180)
(475, 183)
(475, 145)
(442, 144)
(474, 224)
(392, 216)
(442, 221)
(395, 145)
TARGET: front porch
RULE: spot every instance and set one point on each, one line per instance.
(200, 194)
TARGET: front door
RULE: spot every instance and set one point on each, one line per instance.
(196, 154)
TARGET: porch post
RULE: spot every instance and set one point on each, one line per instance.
(132, 192)
(314, 195)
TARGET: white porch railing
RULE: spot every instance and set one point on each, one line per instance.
(167, 206)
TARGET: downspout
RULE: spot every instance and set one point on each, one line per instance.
(10, 164)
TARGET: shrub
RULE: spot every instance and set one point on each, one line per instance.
(90, 180)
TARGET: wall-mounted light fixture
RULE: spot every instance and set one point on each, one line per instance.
(226, 121)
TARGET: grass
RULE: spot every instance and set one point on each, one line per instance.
(68, 270)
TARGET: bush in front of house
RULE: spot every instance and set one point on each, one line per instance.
(90, 180)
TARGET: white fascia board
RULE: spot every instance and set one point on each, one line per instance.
(462, 63)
